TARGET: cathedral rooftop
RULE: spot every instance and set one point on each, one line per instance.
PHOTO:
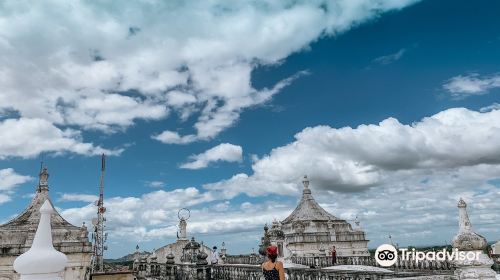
(16, 236)
(308, 209)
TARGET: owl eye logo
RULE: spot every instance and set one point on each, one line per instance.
(386, 255)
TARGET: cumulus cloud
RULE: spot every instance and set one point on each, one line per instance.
(9, 180)
(27, 138)
(425, 203)
(128, 215)
(153, 216)
(472, 84)
(78, 197)
(354, 159)
(494, 106)
(99, 66)
(390, 58)
(4, 198)
(222, 152)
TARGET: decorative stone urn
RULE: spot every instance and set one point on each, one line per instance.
(472, 244)
(42, 261)
(170, 258)
(202, 258)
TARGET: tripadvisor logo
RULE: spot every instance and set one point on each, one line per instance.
(387, 255)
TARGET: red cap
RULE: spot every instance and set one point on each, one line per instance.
(272, 250)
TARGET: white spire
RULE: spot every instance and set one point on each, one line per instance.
(41, 261)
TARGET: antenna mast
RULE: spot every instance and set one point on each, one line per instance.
(98, 236)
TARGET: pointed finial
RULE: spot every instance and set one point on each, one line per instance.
(42, 259)
(461, 203)
(305, 182)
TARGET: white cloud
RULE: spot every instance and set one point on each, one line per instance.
(99, 66)
(425, 202)
(246, 205)
(127, 216)
(155, 184)
(390, 58)
(9, 180)
(214, 119)
(353, 159)
(471, 84)
(4, 198)
(79, 197)
(222, 207)
(494, 106)
(111, 111)
(27, 138)
(153, 216)
(222, 152)
(171, 137)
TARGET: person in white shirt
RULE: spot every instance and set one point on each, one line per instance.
(215, 256)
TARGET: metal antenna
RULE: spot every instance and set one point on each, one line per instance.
(98, 235)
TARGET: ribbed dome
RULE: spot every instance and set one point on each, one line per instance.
(309, 210)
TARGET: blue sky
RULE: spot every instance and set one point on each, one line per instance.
(390, 107)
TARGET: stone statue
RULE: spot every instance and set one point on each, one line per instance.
(182, 230)
(479, 266)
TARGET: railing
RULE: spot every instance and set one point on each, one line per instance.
(321, 261)
(322, 274)
(325, 261)
(402, 268)
(252, 272)
(400, 265)
(236, 272)
(252, 259)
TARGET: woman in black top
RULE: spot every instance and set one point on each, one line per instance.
(272, 269)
